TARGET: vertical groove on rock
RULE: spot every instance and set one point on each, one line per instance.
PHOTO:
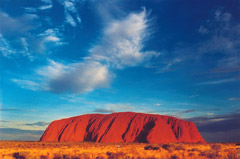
(108, 128)
(60, 135)
(129, 125)
(142, 137)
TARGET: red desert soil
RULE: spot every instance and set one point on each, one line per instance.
(123, 127)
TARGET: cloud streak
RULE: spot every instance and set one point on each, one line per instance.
(234, 99)
(27, 84)
(43, 124)
(103, 111)
(219, 81)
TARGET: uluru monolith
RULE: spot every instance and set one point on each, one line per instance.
(123, 127)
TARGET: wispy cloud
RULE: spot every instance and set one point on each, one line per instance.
(119, 106)
(220, 34)
(47, 5)
(210, 114)
(17, 36)
(169, 65)
(188, 111)
(180, 113)
(72, 16)
(10, 109)
(51, 35)
(234, 99)
(17, 25)
(119, 48)
(222, 38)
(5, 47)
(15, 110)
(13, 31)
(103, 111)
(49, 38)
(219, 81)
(115, 107)
(71, 98)
(27, 84)
(194, 95)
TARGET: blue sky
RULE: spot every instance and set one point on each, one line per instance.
(61, 58)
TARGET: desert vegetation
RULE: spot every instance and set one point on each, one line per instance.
(64, 150)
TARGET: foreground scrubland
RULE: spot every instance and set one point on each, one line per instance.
(63, 150)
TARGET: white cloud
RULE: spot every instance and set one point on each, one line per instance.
(53, 70)
(70, 20)
(70, 78)
(69, 6)
(72, 16)
(122, 42)
(53, 36)
(81, 78)
(47, 5)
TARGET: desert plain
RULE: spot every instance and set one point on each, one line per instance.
(80, 150)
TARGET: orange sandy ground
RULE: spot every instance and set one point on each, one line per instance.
(63, 150)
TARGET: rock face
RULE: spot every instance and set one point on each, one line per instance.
(123, 127)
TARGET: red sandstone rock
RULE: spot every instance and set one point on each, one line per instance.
(123, 127)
